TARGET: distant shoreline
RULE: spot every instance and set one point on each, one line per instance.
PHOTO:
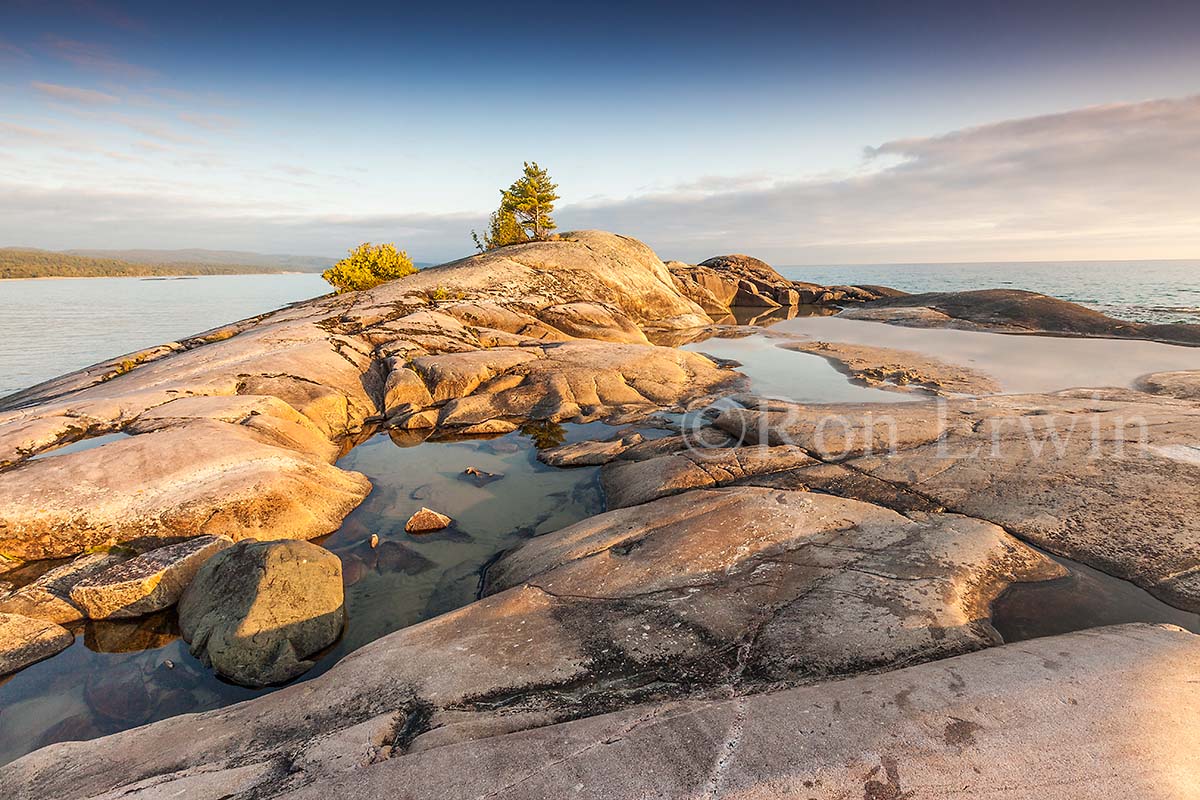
(160, 277)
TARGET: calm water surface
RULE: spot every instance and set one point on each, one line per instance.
(53, 326)
(1145, 291)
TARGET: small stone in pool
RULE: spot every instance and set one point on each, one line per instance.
(427, 520)
(479, 477)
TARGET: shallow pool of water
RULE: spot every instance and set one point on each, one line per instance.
(790, 375)
(118, 675)
(81, 445)
(1086, 598)
(1021, 363)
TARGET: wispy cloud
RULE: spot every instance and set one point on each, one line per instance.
(212, 122)
(1079, 183)
(111, 15)
(95, 58)
(1115, 181)
(73, 94)
(9, 51)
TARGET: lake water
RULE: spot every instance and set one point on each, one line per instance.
(1145, 291)
(49, 327)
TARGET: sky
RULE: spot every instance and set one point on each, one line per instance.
(803, 134)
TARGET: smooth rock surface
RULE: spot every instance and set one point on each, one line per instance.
(628, 483)
(257, 610)
(25, 640)
(1106, 479)
(206, 477)
(146, 583)
(1104, 713)
(658, 602)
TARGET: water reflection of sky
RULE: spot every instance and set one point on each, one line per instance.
(786, 374)
(1021, 363)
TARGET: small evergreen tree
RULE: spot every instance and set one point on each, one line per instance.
(369, 265)
(524, 213)
(531, 198)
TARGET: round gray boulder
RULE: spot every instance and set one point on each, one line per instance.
(256, 611)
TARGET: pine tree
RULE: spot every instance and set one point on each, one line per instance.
(531, 198)
(524, 213)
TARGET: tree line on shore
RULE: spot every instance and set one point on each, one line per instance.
(17, 262)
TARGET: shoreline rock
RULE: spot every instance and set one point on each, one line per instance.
(25, 640)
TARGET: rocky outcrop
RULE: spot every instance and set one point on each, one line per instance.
(257, 610)
(709, 593)
(740, 281)
(1063, 471)
(148, 583)
(25, 640)
(1014, 311)
(235, 431)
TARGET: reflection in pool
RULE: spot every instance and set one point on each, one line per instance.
(1086, 598)
(81, 445)
(118, 675)
(1021, 363)
(790, 375)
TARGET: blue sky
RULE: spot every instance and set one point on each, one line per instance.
(875, 132)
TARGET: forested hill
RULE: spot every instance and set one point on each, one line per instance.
(16, 262)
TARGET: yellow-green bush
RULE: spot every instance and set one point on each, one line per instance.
(369, 265)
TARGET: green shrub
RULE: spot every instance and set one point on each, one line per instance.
(369, 265)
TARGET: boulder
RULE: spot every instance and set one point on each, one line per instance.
(149, 582)
(257, 610)
(25, 640)
(48, 597)
(427, 521)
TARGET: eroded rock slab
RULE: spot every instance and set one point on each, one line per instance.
(25, 640)
(1016, 311)
(205, 477)
(899, 369)
(1055, 718)
(146, 583)
(49, 597)
(1104, 478)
